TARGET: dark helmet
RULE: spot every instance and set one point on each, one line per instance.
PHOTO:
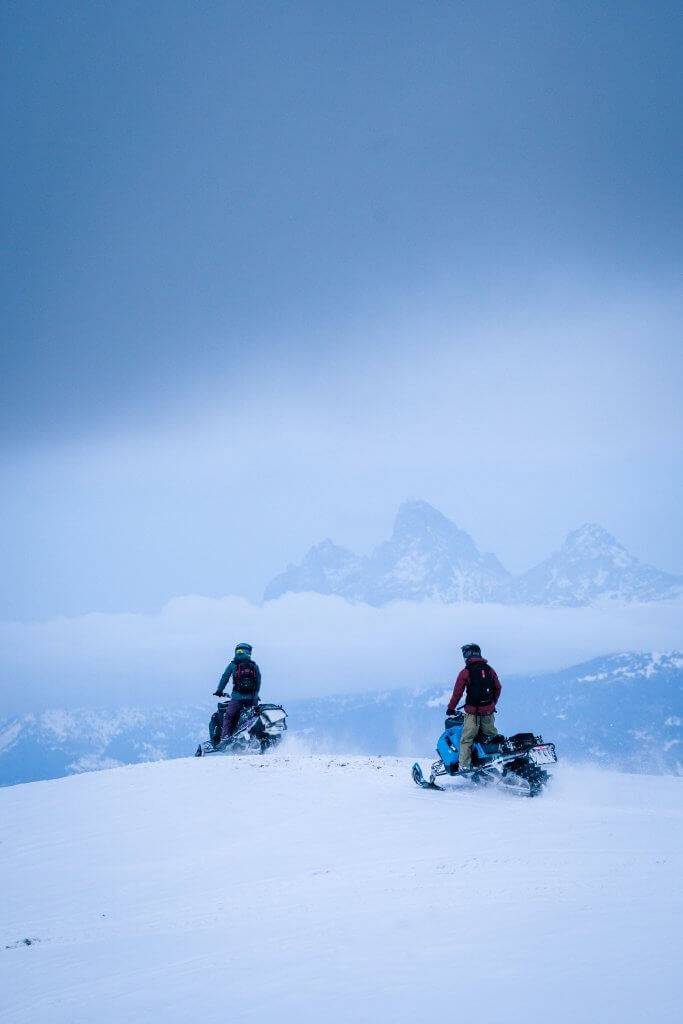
(471, 651)
(244, 649)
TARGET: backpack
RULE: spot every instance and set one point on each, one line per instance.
(480, 689)
(245, 679)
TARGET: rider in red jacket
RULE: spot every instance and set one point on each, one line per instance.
(482, 687)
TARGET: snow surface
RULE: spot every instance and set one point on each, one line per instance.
(309, 888)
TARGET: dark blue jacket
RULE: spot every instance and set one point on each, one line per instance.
(229, 674)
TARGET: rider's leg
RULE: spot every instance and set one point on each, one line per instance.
(230, 717)
(488, 725)
(469, 732)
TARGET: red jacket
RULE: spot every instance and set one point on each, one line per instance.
(459, 688)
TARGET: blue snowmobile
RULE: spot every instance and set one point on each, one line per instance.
(514, 763)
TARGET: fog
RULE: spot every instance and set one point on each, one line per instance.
(307, 645)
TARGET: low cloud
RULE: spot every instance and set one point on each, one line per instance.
(306, 645)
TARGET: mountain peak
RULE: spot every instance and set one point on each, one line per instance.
(326, 568)
(591, 536)
(428, 557)
(324, 548)
(418, 511)
(420, 519)
(590, 566)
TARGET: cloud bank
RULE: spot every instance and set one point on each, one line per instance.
(306, 644)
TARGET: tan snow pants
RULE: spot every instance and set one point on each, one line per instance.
(473, 723)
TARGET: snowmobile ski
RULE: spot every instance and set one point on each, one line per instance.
(419, 779)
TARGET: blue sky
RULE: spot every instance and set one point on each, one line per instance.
(273, 267)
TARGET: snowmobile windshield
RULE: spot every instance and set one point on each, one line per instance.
(273, 715)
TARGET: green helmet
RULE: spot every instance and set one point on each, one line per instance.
(243, 650)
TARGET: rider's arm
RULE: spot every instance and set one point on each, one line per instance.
(225, 679)
(458, 690)
(258, 680)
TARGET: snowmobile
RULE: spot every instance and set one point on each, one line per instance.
(260, 727)
(513, 763)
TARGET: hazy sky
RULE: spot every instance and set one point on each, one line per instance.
(271, 268)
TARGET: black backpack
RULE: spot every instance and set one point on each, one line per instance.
(480, 688)
(245, 679)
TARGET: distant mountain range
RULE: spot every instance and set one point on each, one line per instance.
(623, 711)
(429, 557)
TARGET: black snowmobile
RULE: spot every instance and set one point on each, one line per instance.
(514, 763)
(260, 727)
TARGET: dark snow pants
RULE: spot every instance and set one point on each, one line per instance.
(231, 716)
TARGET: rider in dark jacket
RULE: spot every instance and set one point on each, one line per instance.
(246, 684)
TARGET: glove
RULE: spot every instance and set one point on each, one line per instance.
(217, 693)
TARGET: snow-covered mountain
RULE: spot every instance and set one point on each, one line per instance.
(623, 710)
(55, 742)
(426, 557)
(304, 889)
(429, 557)
(326, 569)
(591, 565)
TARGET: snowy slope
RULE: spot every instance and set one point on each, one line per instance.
(310, 889)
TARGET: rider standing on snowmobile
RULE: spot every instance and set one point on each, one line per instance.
(246, 683)
(483, 691)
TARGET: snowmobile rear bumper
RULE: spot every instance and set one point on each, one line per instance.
(543, 753)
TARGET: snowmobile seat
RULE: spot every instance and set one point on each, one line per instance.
(490, 744)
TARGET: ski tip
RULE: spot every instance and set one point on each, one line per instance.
(419, 779)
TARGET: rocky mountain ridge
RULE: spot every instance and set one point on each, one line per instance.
(429, 558)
